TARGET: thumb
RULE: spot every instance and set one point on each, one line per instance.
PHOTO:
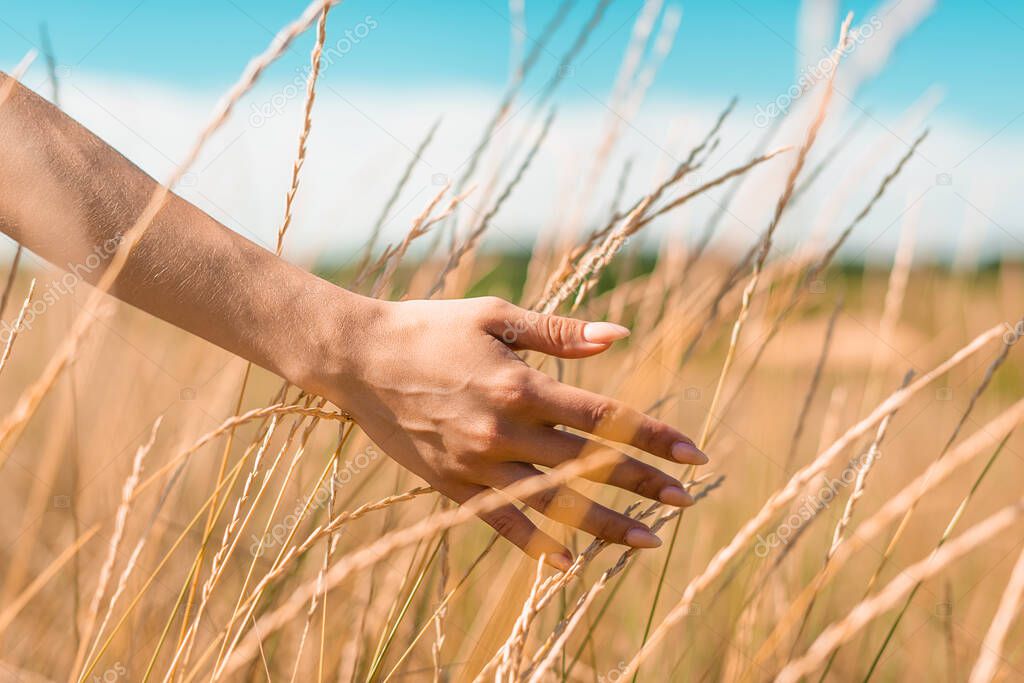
(559, 336)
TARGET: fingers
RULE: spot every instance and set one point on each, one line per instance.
(551, 447)
(552, 334)
(583, 410)
(563, 504)
(615, 421)
(515, 526)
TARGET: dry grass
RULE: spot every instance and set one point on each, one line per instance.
(258, 534)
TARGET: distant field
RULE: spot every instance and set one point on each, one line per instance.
(66, 471)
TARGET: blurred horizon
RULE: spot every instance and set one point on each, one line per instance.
(144, 76)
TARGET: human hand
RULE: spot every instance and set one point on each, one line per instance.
(438, 386)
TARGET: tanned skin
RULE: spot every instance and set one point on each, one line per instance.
(436, 384)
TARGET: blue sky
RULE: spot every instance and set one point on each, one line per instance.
(144, 75)
(974, 48)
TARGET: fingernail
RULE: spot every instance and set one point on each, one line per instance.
(675, 495)
(604, 333)
(641, 538)
(562, 561)
(684, 451)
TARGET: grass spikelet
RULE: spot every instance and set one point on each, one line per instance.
(775, 346)
(886, 598)
(115, 543)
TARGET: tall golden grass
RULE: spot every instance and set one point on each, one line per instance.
(258, 534)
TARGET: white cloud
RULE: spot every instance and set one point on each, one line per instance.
(362, 140)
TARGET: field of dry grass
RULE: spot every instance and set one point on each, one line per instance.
(861, 517)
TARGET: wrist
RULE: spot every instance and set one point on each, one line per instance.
(335, 357)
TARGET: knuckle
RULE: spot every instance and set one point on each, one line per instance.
(487, 435)
(648, 434)
(545, 500)
(513, 388)
(504, 521)
(490, 301)
(648, 482)
(604, 412)
(559, 330)
(487, 307)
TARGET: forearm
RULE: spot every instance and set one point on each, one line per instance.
(436, 384)
(68, 196)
